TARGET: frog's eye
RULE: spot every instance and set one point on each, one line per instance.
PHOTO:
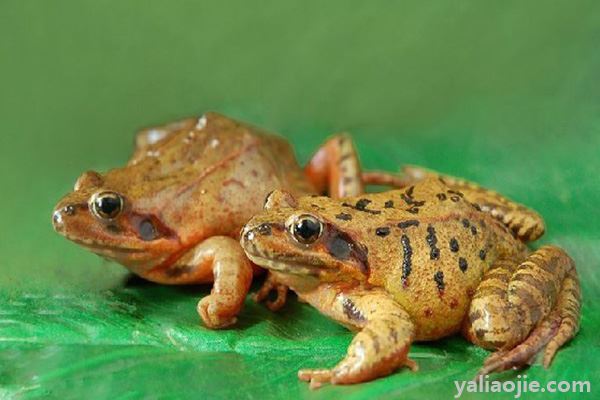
(306, 229)
(106, 205)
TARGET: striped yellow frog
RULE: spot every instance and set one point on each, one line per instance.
(438, 257)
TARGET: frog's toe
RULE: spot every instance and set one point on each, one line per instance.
(411, 364)
(211, 312)
(265, 290)
(315, 377)
(279, 301)
(522, 354)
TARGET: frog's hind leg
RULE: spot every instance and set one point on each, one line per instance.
(382, 343)
(384, 179)
(526, 224)
(520, 308)
(335, 169)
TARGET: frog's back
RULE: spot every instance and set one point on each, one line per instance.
(210, 175)
(428, 247)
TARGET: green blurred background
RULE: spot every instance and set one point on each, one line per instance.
(504, 93)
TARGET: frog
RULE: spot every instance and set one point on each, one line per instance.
(438, 257)
(172, 215)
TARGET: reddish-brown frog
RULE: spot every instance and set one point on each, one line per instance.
(438, 257)
(173, 214)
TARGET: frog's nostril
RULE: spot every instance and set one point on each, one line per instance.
(58, 217)
(69, 210)
(264, 229)
(249, 235)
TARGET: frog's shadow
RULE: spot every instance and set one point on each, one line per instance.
(147, 292)
(133, 281)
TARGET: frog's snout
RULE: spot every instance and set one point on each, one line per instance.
(57, 220)
(249, 233)
(59, 215)
(252, 233)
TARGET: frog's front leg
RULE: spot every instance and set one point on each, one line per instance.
(271, 284)
(520, 308)
(382, 343)
(218, 258)
(232, 273)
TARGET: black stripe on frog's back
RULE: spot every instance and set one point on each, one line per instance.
(342, 246)
(432, 242)
(408, 223)
(361, 205)
(407, 260)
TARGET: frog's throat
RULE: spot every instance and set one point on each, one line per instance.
(288, 267)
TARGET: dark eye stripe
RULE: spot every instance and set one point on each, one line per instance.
(147, 230)
(339, 247)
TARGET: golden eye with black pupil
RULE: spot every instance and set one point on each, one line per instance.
(306, 229)
(107, 205)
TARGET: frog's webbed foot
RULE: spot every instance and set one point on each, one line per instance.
(318, 377)
(209, 310)
(378, 349)
(270, 284)
(523, 308)
(315, 377)
(524, 353)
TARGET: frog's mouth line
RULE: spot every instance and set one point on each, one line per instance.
(287, 266)
(96, 247)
